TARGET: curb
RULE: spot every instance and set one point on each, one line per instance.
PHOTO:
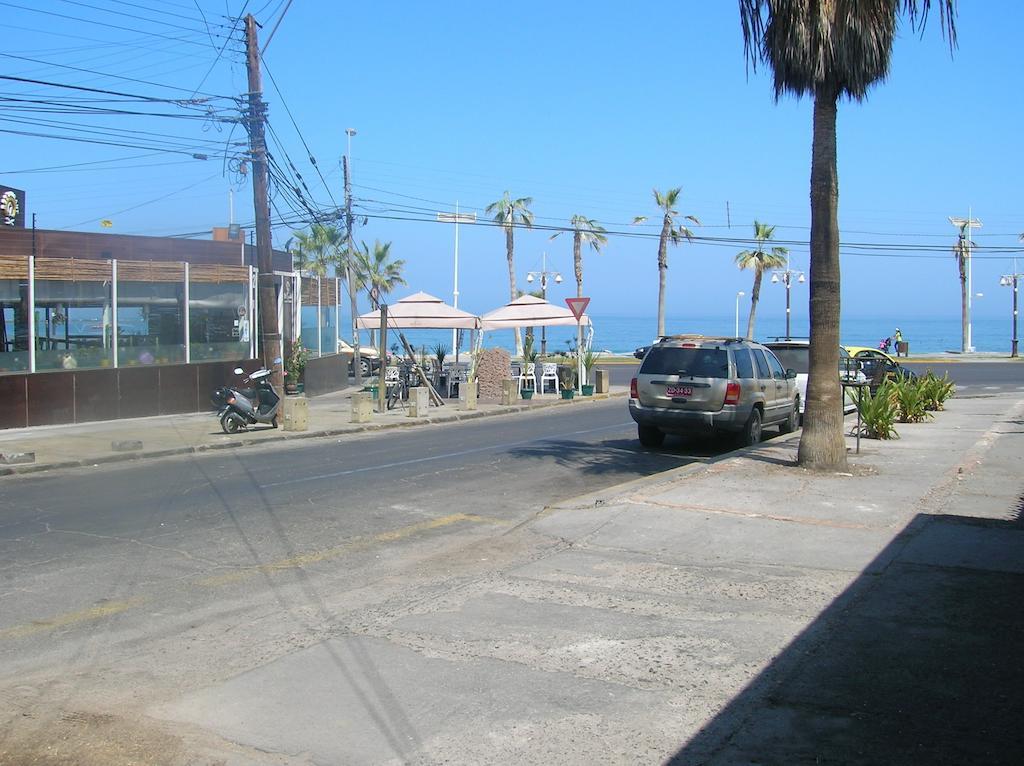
(355, 428)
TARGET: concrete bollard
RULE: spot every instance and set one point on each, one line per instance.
(296, 413)
(362, 407)
(600, 381)
(509, 391)
(419, 402)
(469, 399)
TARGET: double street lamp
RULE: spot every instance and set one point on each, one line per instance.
(1010, 280)
(786, 277)
(543, 275)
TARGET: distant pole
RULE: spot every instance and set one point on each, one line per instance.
(965, 225)
(264, 252)
(357, 370)
(739, 295)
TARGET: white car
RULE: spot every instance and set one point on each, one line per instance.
(795, 355)
(369, 357)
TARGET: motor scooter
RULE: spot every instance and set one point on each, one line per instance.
(239, 408)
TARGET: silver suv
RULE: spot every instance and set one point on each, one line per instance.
(695, 384)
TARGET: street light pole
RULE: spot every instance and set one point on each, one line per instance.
(1010, 280)
(787, 280)
(543, 275)
(456, 218)
(965, 225)
(739, 295)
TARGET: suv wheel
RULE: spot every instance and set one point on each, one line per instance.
(364, 366)
(650, 436)
(790, 424)
(751, 433)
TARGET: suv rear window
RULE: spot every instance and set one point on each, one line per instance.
(698, 362)
(793, 358)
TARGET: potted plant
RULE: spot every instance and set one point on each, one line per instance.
(440, 352)
(589, 360)
(295, 369)
(567, 377)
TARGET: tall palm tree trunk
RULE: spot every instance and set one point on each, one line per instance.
(510, 254)
(662, 269)
(577, 262)
(963, 303)
(822, 445)
(755, 296)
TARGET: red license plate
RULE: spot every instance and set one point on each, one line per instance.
(679, 390)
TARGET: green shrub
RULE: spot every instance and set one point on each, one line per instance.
(908, 398)
(877, 412)
(936, 390)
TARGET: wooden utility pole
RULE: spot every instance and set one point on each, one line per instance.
(271, 345)
(350, 274)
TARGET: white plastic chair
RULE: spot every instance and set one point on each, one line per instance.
(526, 373)
(549, 371)
(456, 377)
(392, 378)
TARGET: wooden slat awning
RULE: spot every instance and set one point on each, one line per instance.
(217, 273)
(328, 291)
(151, 271)
(73, 270)
(13, 267)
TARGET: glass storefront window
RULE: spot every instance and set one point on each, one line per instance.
(73, 314)
(14, 314)
(219, 313)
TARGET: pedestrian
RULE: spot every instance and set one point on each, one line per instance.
(898, 340)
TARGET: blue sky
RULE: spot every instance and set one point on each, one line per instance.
(584, 107)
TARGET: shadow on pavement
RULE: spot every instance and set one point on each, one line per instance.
(919, 661)
(618, 457)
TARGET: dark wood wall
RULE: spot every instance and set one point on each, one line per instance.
(80, 244)
(82, 396)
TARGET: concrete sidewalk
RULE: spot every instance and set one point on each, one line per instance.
(50, 447)
(740, 611)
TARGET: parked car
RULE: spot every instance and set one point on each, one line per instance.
(369, 358)
(640, 352)
(878, 366)
(794, 353)
(692, 384)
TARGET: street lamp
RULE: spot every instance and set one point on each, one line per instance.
(1010, 280)
(456, 218)
(786, 277)
(965, 225)
(739, 295)
(543, 275)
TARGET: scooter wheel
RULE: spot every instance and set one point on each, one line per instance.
(231, 423)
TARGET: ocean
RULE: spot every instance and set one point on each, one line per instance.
(621, 335)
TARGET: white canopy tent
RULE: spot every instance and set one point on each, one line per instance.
(421, 311)
(531, 311)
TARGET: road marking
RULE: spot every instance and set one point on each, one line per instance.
(357, 544)
(70, 619)
(445, 456)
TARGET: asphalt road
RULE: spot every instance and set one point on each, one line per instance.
(76, 546)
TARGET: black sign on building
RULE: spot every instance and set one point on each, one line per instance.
(12, 207)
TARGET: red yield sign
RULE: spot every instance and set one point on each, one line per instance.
(577, 306)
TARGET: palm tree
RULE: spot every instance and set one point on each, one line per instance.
(313, 251)
(509, 213)
(378, 272)
(585, 231)
(827, 49)
(669, 233)
(962, 251)
(759, 261)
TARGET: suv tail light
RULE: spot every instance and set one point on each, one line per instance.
(732, 392)
(632, 390)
